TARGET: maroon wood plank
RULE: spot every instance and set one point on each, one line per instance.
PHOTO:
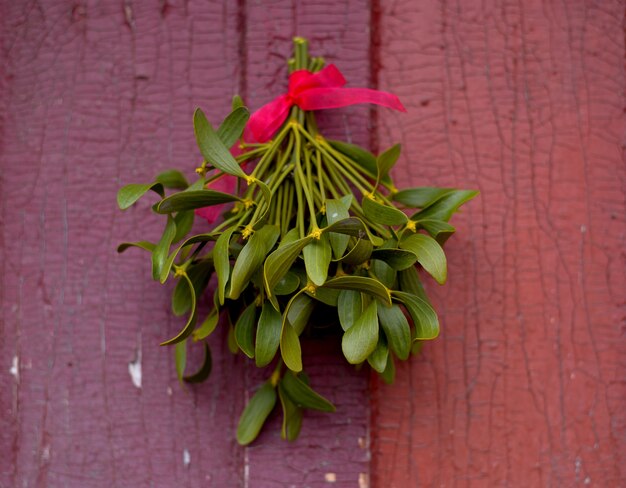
(525, 386)
(100, 94)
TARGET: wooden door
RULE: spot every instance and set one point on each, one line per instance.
(525, 386)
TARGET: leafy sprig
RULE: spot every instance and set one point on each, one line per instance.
(313, 225)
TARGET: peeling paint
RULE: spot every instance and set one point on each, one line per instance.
(134, 369)
(330, 477)
(15, 368)
(186, 458)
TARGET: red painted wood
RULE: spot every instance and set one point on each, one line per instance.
(100, 94)
(525, 386)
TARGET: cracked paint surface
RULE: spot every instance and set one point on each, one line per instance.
(525, 386)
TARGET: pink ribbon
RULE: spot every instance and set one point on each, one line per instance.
(313, 91)
(309, 91)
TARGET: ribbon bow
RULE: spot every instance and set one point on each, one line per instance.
(314, 91)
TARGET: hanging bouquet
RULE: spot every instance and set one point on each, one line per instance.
(311, 229)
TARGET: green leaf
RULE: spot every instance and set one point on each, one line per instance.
(251, 257)
(389, 374)
(325, 295)
(445, 206)
(256, 412)
(231, 129)
(148, 246)
(382, 214)
(363, 158)
(290, 349)
(396, 328)
(184, 223)
(317, 256)
(199, 275)
(237, 102)
(287, 284)
(383, 272)
(354, 227)
(438, 229)
(208, 326)
(299, 312)
(160, 253)
(360, 252)
(410, 283)
(336, 210)
(423, 315)
(244, 330)
(221, 258)
(303, 395)
(378, 359)
(398, 259)
(231, 341)
(204, 371)
(172, 179)
(420, 197)
(292, 415)
(267, 199)
(360, 283)
(169, 262)
(191, 321)
(267, 335)
(212, 148)
(429, 254)
(129, 194)
(180, 358)
(192, 199)
(280, 261)
(349, 307)
(386, 161)
(360, 340)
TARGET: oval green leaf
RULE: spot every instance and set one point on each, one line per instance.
(251, 257)
(292, 416)
(268, 334)
(386, 160)
(244, 330)
(256, 412)
(429, 254)
(423, 315)
(279, 262)
(398, 259)
(317, 255)
(349, 307)
(378, 359)
(212, 148)
(360, 283)
(445, 205)
(172, 179)
(221, 258)
(129, 194)
(360, 340)
(192, 199)
(232, 127)
(191, 321)
(290, 349)
(303, 395)
(396, 328)
(382, 214)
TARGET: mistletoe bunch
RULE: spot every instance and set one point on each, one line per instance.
(316, 234)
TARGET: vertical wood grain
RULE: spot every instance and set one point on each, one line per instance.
(525, 386)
